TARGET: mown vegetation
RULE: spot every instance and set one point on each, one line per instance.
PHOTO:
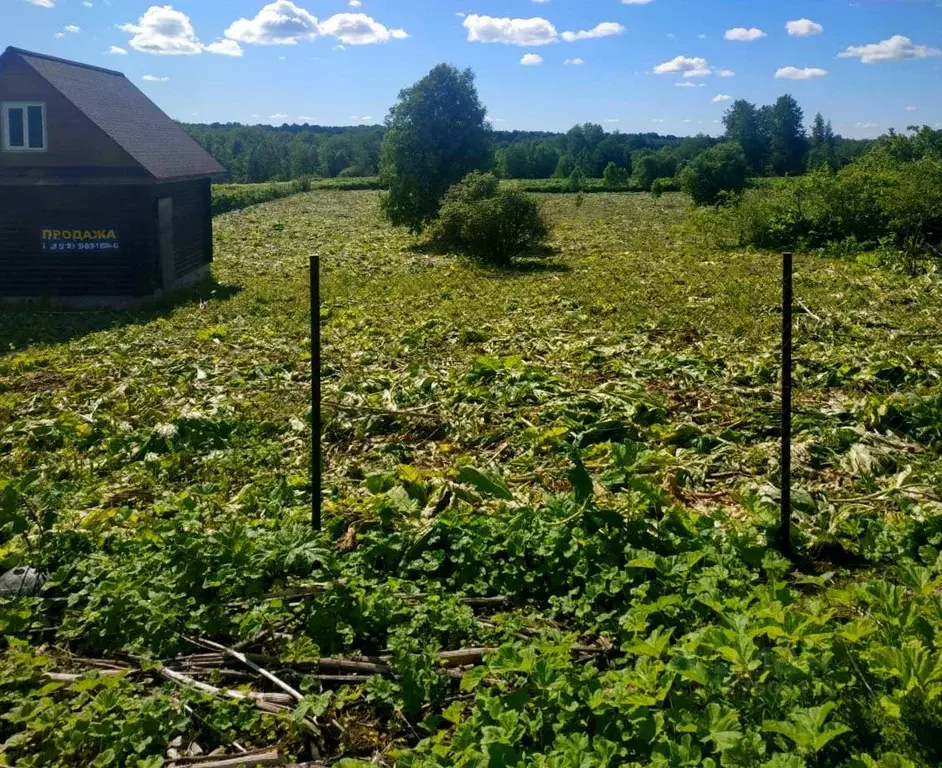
(566, 471)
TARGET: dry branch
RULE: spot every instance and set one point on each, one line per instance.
(248, 760)
(273, 702)
(67, 677)
(378, 411)
(252, 665)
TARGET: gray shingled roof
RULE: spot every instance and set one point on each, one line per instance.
(118, 108)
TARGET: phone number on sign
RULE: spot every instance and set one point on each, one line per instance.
(105, 246)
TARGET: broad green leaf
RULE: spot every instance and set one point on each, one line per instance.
(486, 483)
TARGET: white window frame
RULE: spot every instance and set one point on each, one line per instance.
(5, 108)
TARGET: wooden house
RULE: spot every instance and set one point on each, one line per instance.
(103, 198)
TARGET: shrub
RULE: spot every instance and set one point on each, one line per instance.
(879, 199)
(722, 168)
(480, 219)
(615, 177)
(576, 181)
(660, 186)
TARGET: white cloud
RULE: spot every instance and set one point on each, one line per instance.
(354, 3)
(701, 37)
(225, 48)
(658, 120)
(359, 29)
(531, 60)
(613, 120)
(803, 28)
(525, 32)
(573, 62)
(721, 97)
(278, 23)
(690, 67)
(529, 32)
(896, 48)
(43, 3)
(865, 125)
(605, 29)
(539, 2)
(688, 120)
(308, 118)
(636, 2)
(279, 116)
(688, 84)
(495, 119)
(725, 73)
(88, 4)
(361, 119)
(114, 50)
(164, 31)
(911, 109)
(155, 79)
(796, 73)
(743, 35)
(72, 29)
(59, 35)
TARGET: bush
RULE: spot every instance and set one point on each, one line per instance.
(660, 186)
(887, 197)
(576, 181)
(615, 177)
(234, 197)
(482, 220)
(722, 168)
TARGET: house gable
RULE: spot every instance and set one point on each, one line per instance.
(75, 146)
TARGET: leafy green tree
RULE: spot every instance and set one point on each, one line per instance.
(615, 177)
(744, 124)
(650, 166)
(720, 169)
(435, 135)
(822, 145)
(302, 156)
(787, 143)
(565, 166)
(576, 180)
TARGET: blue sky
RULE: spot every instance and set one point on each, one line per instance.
(633, 65)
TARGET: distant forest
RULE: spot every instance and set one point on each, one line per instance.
(260, 153)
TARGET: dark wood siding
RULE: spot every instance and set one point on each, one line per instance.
(192, 223)
(26, 271)
(76, 146)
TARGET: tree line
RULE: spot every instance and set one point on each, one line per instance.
(773, 138)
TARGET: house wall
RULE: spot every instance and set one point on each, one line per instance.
(192, 223)
(26, 270)
(77, 148)
(133, 270)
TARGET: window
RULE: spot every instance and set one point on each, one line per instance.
(24, 126)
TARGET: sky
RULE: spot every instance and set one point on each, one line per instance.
(670, 66)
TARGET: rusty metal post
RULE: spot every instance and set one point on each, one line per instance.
(784, 542)
(316, 438)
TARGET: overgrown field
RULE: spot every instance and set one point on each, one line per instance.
(566, 472)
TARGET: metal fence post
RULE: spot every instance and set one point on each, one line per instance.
(316, 446)
(784, 543)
